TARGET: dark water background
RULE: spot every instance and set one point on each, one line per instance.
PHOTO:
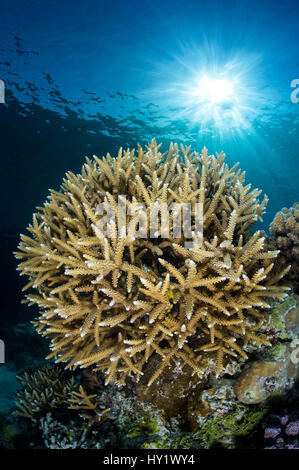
(84, 78)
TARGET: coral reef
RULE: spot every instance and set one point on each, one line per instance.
(178, 412)
(285, 230)
(213, 403)
(55, 411)
(224, 430)
(53, 406)
(57, 435)
(113, 302)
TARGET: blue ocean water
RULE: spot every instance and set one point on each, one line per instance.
(84, 78)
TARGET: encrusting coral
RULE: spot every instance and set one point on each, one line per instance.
(112, 302)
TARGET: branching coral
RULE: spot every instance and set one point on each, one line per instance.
(112, 302)
(43, 390)
(49, 389)
(88, 407)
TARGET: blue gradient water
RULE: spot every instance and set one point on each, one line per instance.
(84, 78)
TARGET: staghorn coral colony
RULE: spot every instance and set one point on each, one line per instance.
(113, 303)
(49, 388)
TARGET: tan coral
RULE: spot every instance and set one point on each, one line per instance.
(50, 388)
(112, 302)
(42, 390)
(260, 381)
